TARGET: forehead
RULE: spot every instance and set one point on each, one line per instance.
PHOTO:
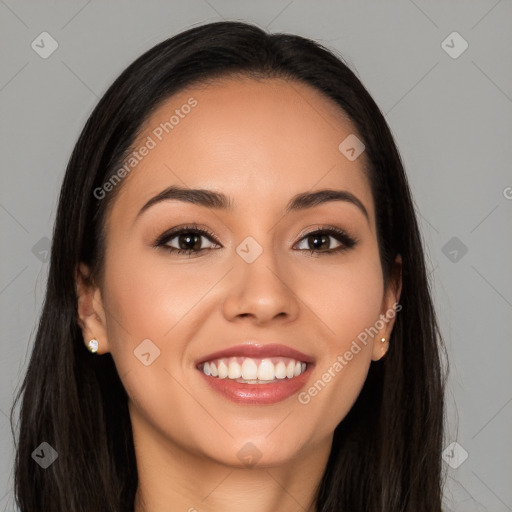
(258, 141)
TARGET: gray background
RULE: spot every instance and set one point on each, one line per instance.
(452, 121)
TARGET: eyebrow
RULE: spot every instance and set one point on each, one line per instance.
(220, 201)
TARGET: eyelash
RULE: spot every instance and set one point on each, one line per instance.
(347, 241)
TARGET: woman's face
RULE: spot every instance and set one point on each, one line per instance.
(260, 277)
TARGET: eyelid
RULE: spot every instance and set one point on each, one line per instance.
(314, 228)
(177, 230)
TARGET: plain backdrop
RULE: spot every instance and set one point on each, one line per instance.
(447, 98)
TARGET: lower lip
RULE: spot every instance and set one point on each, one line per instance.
(261, 394)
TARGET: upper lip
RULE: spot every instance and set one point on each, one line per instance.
(259, 351)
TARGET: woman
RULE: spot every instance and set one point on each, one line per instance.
(237, 313)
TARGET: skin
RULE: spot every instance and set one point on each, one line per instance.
(260, 142)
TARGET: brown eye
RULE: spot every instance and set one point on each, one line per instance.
(320, 241)
(186, 240)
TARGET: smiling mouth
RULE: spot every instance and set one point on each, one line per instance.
(249, 370)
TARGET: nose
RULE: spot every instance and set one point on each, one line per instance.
(261, 291)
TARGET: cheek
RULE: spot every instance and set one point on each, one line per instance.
(150, 298)
(346, 296)
(349, 303)
(148, 295)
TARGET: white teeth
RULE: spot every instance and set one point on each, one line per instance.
(249, 370)
(234, 370)
(280, 370)
(290, 369)
(266, 370)
(223, 369)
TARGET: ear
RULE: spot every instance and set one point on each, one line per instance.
(91, 314)
(389, 310)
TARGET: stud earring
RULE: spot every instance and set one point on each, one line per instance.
(93, 345)
(383, 340)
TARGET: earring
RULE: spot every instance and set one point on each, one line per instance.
(93, 345)
(383, 340)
